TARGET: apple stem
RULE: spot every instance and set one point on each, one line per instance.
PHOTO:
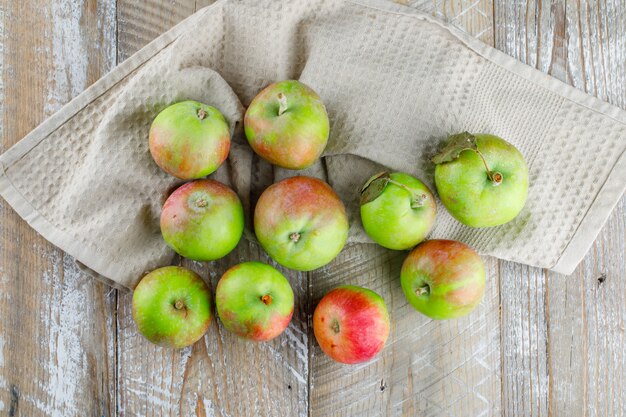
(295, 237)
(495, 177)
(422, 290)
(282, 103)
(202, 114)
(417, 200)
(267, 299)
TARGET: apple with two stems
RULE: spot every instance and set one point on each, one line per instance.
(301, 223)
(397, 210)
(287, 125)
(202, 220)
(172, 307)
(254, 301)
(351, 324)
(443, 279)
(189, 139)
(481, 179)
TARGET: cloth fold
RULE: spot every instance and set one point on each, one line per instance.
(395, 82)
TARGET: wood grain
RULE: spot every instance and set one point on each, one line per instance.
(57, 335)
(564, 353)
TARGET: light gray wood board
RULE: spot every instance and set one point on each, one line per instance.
(564, 348)
(57, 333)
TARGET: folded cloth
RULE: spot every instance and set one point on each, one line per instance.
(396, 83)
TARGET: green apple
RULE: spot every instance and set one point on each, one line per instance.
(287, 124)
(172, 307)
(301, 223)
(189, 140)
(202, 220)
(254, 301)
(397, 210)
(481, 179)
(443, 279)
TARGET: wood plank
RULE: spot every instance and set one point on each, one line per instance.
(57, 339)
(532, 33)
(587, 313)
(562, 339)
(140, 22)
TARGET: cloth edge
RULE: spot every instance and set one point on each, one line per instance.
(94, 266)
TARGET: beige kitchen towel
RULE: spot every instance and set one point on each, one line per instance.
(395, 82)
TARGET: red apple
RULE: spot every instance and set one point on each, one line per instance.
(443, 278)
(351, 324)
(301, 223)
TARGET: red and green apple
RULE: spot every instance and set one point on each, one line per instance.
(287, 124)
(189, 140)
(301, 223)
(202, 220)
(254, 301)
(443, 279)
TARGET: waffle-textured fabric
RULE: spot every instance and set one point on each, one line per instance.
(395, 82)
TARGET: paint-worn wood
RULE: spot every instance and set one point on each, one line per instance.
(564, 354)
(57, 332)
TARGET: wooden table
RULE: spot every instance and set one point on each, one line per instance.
(539, 344)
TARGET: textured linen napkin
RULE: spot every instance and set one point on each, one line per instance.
(395, 82)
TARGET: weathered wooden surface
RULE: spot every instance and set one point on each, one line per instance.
(57, 332)
(539, 344)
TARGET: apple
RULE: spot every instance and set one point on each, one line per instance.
(397, 210)
(287, 124)
(301, 223)
(202, 220)
(172, 307)
(254, 301)
(351, 324)
(481, 179)
(443, 279)
(189, 140)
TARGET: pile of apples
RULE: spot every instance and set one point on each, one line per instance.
(302, 224)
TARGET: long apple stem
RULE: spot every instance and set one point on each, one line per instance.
(495, 177)
(417, 200)
(282, 103)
